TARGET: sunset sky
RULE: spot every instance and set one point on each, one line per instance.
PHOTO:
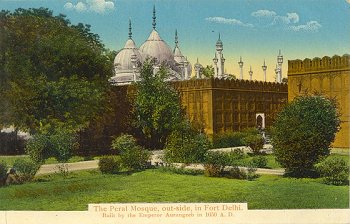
(253, 29)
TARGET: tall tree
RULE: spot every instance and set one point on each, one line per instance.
(157, 107)
(52, 73)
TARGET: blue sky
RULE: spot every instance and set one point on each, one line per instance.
(253, 29)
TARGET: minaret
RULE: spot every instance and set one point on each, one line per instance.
(154, 17)
(250, 74)
(133, 56)
(264, 67)
(240, 63)
(279, 62)
(215, 60)
(219, 60)
(277, 71)
(186, 68)
(197, 68)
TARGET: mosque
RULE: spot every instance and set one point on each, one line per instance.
(221, 103)
(129, 58)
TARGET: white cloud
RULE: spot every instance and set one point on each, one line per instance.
(97, 6)
(291, 17)
(228, 21)
(311, 26)
(264, 13)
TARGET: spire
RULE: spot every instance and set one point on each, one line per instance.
(130, 33)
(176, 38)
(154, 17)
(279, 53)
(219, 36)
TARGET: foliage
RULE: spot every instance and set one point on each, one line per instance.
(3, 172)
(181, 171)
(58, 143)
(334, 170)
(215, 163)
(38, 148)
(109, 164)
(25, 169)
(51, 72)
(157, 109)
(259, 161)
(133, 156)
(186, 146)
(227, 139)
(207, 72)
(232, 139)
(303, 132)
(255, 142)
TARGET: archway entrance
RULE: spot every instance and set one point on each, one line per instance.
(260, 120)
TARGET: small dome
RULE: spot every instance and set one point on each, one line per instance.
(155, 47)
(123, 59)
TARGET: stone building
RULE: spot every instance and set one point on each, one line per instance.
(329, 76)
(231, 105)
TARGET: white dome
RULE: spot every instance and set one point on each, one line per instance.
(123, 59)
(155, 47)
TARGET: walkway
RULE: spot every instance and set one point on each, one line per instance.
(87, 165)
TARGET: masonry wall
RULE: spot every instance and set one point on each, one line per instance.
(230, 105)
(328, 76)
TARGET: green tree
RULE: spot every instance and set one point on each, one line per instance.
(303, 132)
(208, 71)
(157, 107)
(52, 73)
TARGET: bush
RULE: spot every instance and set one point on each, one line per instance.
(38, 148)
(215, 163)
(133, 156)
(255, 142)
(25, 169)
(228, 139)
(334, 170)
(109, 164)
(186, 147)
(181, 171)
(259, 161)
(3, 172)
(303, 132)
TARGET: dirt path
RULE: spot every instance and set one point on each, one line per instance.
(87, 165)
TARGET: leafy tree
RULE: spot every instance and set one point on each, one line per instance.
(208, 71)
(157, 107)
(52, 73)
(303, 132)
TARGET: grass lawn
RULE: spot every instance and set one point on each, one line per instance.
(53, 192)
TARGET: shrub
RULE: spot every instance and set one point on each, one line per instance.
(25, 169)
(63, 143)
(334, 170)
(3, 172)
(109, 164)
(236, 173)
(38, 148)
(186, 147)
(181, 171)
(251, 175)
(215, 163)
(133, 156)
(254, 141)
(303, 132)
(228, 139)
(259, 161)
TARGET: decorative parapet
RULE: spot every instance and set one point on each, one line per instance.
(318, 65)
(244, 85)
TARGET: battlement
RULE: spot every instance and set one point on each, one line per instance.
(318, 64)
(245, 85)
